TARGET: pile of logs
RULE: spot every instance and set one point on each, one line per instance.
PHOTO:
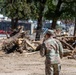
(20, 42)
(69, 45)
(70, 41)
(19, 45)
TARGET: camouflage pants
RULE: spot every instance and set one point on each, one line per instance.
(52, 69)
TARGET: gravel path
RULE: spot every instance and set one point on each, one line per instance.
(31, 64)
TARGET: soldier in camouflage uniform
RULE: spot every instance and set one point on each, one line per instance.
(53, 50)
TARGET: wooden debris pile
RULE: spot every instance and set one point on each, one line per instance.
(18, 42)
(69, 45)
(19, 45)
(68, 42)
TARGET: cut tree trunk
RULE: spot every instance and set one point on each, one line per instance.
(67, 52)
(9, 45)
(31, 45)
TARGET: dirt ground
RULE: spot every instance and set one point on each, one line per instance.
(31, 64)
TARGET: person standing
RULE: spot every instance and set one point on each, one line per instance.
(52, 49)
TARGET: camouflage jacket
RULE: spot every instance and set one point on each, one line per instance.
(52, 49)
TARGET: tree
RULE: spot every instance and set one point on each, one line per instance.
(50, 9)
(16, 10)
(62, 8)
(40, 11)
(1, 4)
(75, 27)
(37, 10)
(75, 21)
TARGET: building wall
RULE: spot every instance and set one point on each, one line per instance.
(5, 25)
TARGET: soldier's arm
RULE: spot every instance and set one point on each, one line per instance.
(60, 49)
(43, 50)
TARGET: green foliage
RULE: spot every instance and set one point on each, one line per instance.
(23, 9)
(34, 10)
(16, 9)
(64, 9)
(37, 8)
(1, 4)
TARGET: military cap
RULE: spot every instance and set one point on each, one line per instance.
(50, 32)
